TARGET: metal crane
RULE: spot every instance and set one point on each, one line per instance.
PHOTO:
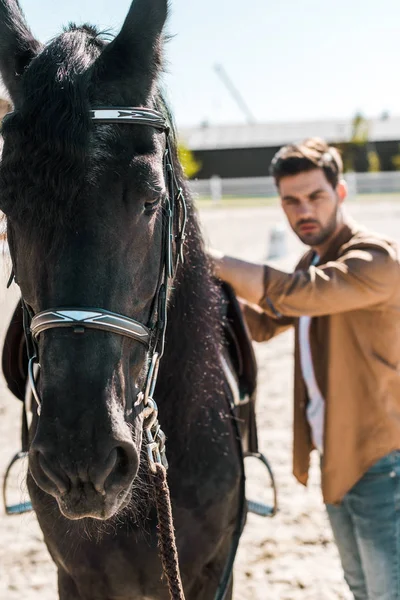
(219, 69)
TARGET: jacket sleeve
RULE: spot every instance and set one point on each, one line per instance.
(360, 278)
(263, 327)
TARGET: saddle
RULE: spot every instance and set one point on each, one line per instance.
(240, 366)
(15, 357)
(239, 357)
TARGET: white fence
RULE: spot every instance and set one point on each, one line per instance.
(373, 183)
(359, 183)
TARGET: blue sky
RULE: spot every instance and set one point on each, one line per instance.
(291, 60)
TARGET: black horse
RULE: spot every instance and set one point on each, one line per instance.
(88, 207)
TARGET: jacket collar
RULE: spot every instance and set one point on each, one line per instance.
(345, 234)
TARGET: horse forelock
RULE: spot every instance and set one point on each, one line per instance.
(55, 85)
(54, 154)
(44, 165)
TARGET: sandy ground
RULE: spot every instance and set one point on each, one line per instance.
(290, 557)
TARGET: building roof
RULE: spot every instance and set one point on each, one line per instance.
(262, 135)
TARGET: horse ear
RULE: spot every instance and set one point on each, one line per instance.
(17, 46)
(132, 60)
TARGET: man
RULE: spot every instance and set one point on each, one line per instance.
(344, 302)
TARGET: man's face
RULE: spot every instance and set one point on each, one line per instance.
(311, 205)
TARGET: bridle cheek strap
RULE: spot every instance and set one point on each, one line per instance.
(153, 336)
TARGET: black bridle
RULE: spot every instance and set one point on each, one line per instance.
(152, 335)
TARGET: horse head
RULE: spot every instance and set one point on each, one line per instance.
(85, 204)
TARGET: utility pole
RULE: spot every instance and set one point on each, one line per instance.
(219, 69)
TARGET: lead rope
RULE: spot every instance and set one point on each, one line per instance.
(156, 440)
(158, 465)
(166, 534)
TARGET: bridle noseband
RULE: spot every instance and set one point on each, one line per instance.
(80, 320)
(152, 335)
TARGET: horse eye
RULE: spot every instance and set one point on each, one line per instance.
(151, 205)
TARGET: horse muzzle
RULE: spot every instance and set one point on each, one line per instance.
(98, 491)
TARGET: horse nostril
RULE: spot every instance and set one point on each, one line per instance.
(123, 462)
(126, 466)
(108, 467)
(119, 468)
(59, 479)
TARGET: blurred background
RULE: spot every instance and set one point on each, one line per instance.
(243, 79)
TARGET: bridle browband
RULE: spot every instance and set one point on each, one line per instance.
(152, 335)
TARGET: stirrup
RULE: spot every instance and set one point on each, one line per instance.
(259, 508)
(22, 507)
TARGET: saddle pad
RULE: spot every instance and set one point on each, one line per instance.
(14, 357)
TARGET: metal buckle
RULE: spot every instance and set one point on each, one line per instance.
(153, 452)
(161, 439)
(181, 236)
(156, 449)
(32, 382)
(150, 414)
(151, 378)
(156, 438)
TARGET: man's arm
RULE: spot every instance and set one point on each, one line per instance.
(362, 277)
(263, 327)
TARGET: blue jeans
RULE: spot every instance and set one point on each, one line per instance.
(366, 528)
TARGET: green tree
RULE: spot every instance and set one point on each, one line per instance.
(396, 162)
(190, 165)
(360, 130)
(374, 162)
(355, 151)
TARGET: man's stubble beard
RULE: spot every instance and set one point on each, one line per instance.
(317, 239)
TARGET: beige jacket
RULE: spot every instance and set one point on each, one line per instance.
(354, 295)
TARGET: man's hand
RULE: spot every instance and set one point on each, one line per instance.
(246, 278)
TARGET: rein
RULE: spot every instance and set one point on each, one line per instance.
(152, 336)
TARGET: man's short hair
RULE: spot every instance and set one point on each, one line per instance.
(311, 154)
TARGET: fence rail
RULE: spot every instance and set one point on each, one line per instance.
(359, 183)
